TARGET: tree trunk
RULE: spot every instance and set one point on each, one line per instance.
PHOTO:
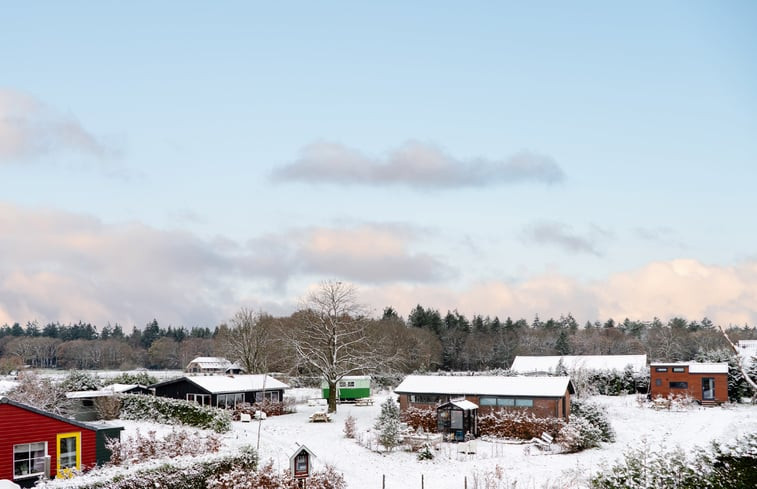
(332, 397)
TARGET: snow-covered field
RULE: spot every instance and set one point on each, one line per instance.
(518, 465)
(364, 468)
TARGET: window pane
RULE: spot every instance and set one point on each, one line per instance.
(524, 402)
(506, 401)
(487, 401)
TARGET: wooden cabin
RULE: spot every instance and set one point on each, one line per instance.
(707, 383)
(457, 418)
(212, 366)
(350, 388)
(542, 396)
(37, 444)
(224, 391)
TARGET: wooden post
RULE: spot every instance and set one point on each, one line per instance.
(383, 481)
(421, 481)
(465, 480)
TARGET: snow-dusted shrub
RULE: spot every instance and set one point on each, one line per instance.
(388, 424)
(174, 411)
(39, 392)
(517, 424)
(733, 465)
(141, 378)
(108, 407)
(425, 452)
(579, 434)
(595, 414)
(268, 478)
(177, 443)
(420, 418)
(76, 380)
(268, 407)
(349, 427)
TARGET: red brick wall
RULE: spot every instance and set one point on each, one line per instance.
(543, 407)
(694, 381)
(18, 425)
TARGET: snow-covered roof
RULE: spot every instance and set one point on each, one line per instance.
(464, 404)
(219, 384)
(485, 385)
(106, 391)
(211, 363)
(526, 364)
(697, 368)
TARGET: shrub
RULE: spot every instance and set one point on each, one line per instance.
(596, 415)
(517, 424)
(425, 453)
(420, 418)
(268, 407)
(76, 380)
(141, 378)
(349, 427)
(579, 434)
(268, 478)
(174, 411)
(177, 443)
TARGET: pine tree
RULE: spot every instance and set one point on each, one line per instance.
(388, 424)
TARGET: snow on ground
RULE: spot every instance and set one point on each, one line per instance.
(362, 467)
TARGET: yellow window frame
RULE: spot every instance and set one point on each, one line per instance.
(67, 472)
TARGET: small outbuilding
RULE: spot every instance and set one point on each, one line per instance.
(38, 444)
(86, 405)
(458, 418)
(301, 462)
(212, 365)
(224, 391)
(706, 383)
(350, 388)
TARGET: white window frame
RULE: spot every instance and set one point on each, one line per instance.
(229, 400)
(201, 399)
(32, 461)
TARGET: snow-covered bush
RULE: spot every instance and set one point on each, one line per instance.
(420, 418)
(595, 414)
(39, 392)
(76, 380)
(349, 426)
(579, 434)
(268, 478)
(177, 443)
(268, 407)
(141, 378)
(174, 411)
(388, 424)
(425, 452)
(517, 424)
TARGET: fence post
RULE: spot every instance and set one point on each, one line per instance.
(421, 481)
(383, 481)
(465, 480)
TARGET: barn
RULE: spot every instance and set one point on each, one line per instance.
(542, 396)
(36, 443)
(706, 383)
(225, 391)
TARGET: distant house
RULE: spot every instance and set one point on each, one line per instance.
(542, 396)
(551, 363)
(83, 404)
(212, 365)
(704, 382)
(224, 391)
(36, 443)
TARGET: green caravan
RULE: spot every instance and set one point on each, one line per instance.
(350, 388)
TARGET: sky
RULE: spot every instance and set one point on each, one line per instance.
(181, 160)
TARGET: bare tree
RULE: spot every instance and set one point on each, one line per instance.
(332, 337)
(249, 340)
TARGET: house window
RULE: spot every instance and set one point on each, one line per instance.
(271, 396)
(661, 369)
(229, 400)
(679, 370)
(524, 403)
(202, 399)
(29, 459)
(69, 453)
(487, 401)
(679, 385)
(505, 402)
(425, 398)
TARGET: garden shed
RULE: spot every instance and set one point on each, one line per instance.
(458, 417)
(37, 443)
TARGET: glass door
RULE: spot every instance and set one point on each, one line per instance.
(708, 388)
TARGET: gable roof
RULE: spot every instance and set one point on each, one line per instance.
(549, 363)
(32, 409)
(213, 363)
(222, 384)
(487, 385)
(463, 404)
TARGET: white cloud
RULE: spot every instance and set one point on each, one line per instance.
(29, 129)
(414, 164)
(563, 236)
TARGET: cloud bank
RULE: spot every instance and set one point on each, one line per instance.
(29, 129)
(414, 164)
(58, 266)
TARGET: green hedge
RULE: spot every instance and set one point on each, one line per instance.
(173, 411)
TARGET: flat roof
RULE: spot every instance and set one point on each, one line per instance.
(695, 367)
(486, 385)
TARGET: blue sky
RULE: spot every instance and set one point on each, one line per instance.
(180, 160)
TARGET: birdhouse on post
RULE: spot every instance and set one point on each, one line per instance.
(301, 462)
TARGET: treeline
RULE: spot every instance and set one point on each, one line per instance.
(426, 340)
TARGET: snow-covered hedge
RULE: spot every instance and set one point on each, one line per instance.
(174, 411)
(177, 443)
(419, 417)
(517, 424)
(76, 380)
(729, 466)
(141, 378)
(268, 478)
(596, 415)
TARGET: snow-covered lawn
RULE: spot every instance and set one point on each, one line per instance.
(364, 468)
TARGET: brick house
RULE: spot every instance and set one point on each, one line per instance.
(542, 396)
(705, 382)
(36, 443)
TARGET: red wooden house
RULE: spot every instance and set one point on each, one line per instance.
(36, 443)
(704, 382)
